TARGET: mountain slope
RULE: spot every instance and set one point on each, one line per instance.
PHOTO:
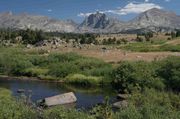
(24, 21)
(156, 19)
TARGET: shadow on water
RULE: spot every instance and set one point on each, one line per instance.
(86, 96)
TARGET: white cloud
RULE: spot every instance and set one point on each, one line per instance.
(146, 0)
(84, 14)
(87, 14)
(130, 8)
(49, 10)
(167, 0)
(136, 8)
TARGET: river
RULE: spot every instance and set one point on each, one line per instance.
(86, 96)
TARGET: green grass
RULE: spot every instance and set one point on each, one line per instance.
(156, 46)
(82, 79)
(13, 109)
(172, 48)
(55, 66)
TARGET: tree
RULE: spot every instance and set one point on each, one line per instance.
(173, 35)
(177, 33)
(148, 36)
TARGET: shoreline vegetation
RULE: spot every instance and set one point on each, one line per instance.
(58, 67)
(79, 70)
(26, 78)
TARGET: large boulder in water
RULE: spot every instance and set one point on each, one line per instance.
(61, 99)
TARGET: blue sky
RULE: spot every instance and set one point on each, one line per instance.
(78, 9)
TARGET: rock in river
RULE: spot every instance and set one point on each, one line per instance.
(61, 99)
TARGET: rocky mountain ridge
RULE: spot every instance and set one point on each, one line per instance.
(24, 21)
(155, 20)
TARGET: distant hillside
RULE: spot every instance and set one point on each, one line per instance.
(24, 21)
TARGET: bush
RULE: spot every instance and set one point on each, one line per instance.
(61, 70)
(85, 64)
(155, 104)
(130, 112)
(170, 72)
(137, 75)
(14, 64)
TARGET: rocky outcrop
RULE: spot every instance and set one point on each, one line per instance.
(51, 42)
(98, 22)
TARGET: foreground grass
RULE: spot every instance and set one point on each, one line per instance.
(11, 109)
(148, 104)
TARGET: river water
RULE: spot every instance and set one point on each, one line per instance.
(86, 96)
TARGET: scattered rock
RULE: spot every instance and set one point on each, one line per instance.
(120, 104)
(29, 46)
(123, 96)
(20, 91)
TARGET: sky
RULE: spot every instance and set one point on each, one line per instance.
(79, 9)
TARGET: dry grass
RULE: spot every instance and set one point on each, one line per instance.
(174, 42)
(131, 37)
(111, 54)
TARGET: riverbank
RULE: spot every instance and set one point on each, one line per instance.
(24, 78)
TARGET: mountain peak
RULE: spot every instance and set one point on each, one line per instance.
(97, 20)
(156, 18)
(156, 11)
